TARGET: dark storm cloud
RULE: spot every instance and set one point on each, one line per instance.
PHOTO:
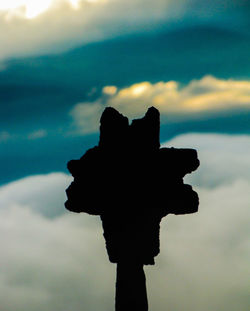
(38, 93)
(39, 88)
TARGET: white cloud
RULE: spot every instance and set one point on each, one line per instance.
(24, 29)
(198, 98)
(44, 193)
(204, 259)
(60, 263)
(224, 158)
(48, 264)
(86, 116)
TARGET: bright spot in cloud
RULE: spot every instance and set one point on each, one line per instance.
(31, 8)
(135, 90)
(24, 24)
(139, 89)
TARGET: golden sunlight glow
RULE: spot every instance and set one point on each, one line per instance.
(139, 89)
(31, 8)
(74, 3)
(135, 90)
(109, 90)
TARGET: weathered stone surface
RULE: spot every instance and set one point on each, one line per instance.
(132, 183)
(113, 130)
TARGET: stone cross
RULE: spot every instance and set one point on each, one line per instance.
(131, 183)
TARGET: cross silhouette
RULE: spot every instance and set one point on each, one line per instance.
(132, 183)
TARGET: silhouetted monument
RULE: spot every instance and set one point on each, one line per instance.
(132, 183)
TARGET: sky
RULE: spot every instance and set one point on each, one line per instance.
(61, 63)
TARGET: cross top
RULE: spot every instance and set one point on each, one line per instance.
(132, 183)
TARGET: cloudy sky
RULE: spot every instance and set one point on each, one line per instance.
(61, 63)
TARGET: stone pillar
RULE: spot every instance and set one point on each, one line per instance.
(131, 292)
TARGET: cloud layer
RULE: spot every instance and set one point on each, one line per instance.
(29, 192)
(72, 22)
(59, 263)
(24, 24)
(224, 158)
(197, 99)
